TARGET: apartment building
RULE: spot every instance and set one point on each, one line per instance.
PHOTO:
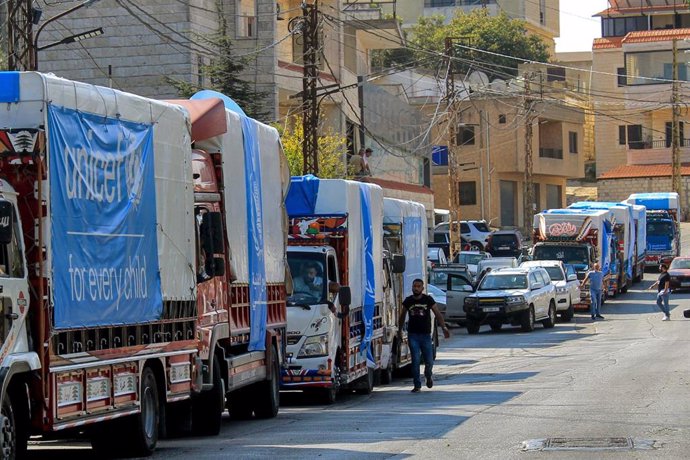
(632, 90)
(541, 16)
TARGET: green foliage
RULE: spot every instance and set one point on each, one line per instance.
(332, 149)
(222, 75)
(477, 29)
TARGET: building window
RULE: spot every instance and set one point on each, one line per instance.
(555, 74)
(621, 135)
(652, 68)
(554, 196)
(502, 118)
(551, 153)
(246, 18)
(635, 137)
(572, 142)
(439, 155)
(468, 192)
(669, 134)
(465, 135)
(622, 78)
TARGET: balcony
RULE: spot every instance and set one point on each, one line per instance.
(655, 152)
(448, 8)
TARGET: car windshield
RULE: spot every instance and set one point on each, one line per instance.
(481, 226)
(566, 254)
(309, 285)
(470, 259)
(503, 240)
(681, 264)
(498, 282)
(659, 228)
(555, 273)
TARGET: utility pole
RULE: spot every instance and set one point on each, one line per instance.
(20, 42)
(528, 192)
(310, 107)
(453, 170)
(676, 180)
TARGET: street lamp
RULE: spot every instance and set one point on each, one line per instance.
(73, 38)
(54, 18)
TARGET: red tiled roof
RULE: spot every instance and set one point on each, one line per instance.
(643, 36)
(607, 43)
(393, 185)
(636, 171)
(641, 9)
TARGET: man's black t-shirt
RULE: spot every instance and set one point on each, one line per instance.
(663, 279)
(419, 311)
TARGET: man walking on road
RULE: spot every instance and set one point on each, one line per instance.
(419, 307)
(596, 282)
(664, 290)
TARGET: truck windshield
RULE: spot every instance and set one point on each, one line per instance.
(497, 282)
(576, 255)
(660, 228)
(308, 278)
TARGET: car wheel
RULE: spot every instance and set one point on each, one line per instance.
(527, 323)
(473, 327)
(476, 246)
(550, 322)
(567, 315)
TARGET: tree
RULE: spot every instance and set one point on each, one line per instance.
(477, 29)
(222, 75)
(332, 149)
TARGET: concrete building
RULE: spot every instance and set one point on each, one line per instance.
(540, 16)
(633, 68)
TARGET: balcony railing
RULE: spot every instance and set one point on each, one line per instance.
(657, 144)
(370, 10)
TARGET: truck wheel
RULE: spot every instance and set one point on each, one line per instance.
(473, 327)
(567, 316)
(208, 407)
(386, 375)
(141, 433)
(368, 381)
(14, 439)
(527, 322)
(550, 322)
(268, 393)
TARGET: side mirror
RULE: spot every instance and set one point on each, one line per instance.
(572, 277)
(399, 263)
(6, 222)
(345, 295)
(537, 285)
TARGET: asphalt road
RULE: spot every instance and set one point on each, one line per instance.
(626, 377)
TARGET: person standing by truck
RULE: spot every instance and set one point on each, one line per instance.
(418, 307)
(596, 281)
(664, 289)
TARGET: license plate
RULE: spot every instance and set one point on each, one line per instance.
(490, 309)
(503, 248)
(685, 284)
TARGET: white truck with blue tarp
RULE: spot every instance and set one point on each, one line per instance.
(579, 237)
(404, 233)
(335, 238)
(640, 228)
(663, 225)
(624, 232)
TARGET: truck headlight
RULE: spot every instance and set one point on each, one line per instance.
(515, 299)
(316, 345)
(561, 290)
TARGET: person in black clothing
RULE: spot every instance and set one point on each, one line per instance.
(419, 307)
(664, 290)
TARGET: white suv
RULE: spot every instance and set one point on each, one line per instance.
(476, 232)
(517, 296)
(567, 286)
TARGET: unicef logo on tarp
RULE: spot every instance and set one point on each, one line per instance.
(562, 229)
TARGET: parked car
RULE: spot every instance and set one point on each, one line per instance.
(458, 287)
(495, 263)
(505, 243)
(476, 232)
(679, 271)
(434, 257)
(517, 296)
(564, 277)
(439, 297)
(471, 259)
(438, 276)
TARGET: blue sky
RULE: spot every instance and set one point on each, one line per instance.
(578, 27)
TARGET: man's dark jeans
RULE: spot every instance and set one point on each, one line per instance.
(420, 344)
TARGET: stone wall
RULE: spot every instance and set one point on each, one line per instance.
(620, 189)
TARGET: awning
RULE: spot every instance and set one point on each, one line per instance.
(207, 117)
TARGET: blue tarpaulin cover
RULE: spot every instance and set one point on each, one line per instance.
(302, 196)
(9, 87)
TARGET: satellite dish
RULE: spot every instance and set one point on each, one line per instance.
(516, 85)
(498, 85)
(477, 80)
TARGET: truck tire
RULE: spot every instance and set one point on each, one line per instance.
(567, 316)
(527, 322)
(140, 431)
(473, 327)
(208, 407)
(368, 381)
(14, 436)
(386, 375)
(268, 393)
(550, 322)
